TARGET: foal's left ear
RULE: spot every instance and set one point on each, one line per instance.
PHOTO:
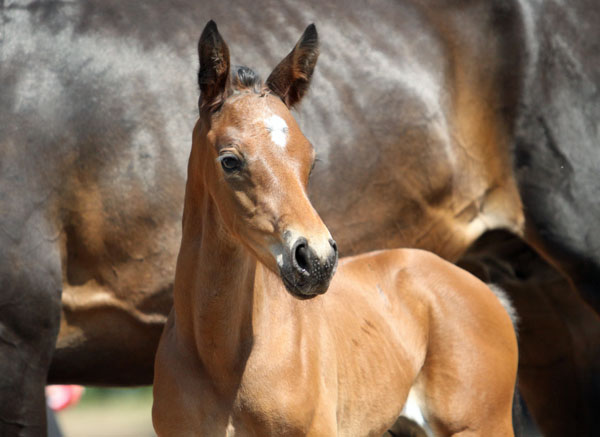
(290, 79)
(213, 76)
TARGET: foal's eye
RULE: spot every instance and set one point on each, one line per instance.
(230, 163)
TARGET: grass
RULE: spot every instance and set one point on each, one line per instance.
(109, 412)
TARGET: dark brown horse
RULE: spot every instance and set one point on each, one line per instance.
(446, 121)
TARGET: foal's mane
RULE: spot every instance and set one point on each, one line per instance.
(243, 79)
(246, 79)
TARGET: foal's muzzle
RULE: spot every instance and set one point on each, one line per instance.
(304, 272)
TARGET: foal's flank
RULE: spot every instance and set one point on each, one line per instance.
(263, 339)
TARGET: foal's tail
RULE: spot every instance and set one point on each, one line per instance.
(517, 412)
(507, 304)
(523, 423)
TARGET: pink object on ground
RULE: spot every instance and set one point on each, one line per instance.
(62, 396)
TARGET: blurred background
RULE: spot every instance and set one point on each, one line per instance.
(103, 412)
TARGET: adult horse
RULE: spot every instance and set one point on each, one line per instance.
(443, 119)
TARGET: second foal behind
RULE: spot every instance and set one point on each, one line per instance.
(254, 347)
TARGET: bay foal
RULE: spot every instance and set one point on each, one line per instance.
(241, 356)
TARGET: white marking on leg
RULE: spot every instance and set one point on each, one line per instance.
(412, 410)
(278, 129)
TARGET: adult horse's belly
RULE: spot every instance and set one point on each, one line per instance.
(119, 251)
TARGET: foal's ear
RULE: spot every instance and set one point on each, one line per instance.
(290, 79)
(213, 76)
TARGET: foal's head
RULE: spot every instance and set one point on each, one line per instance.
(256, 162)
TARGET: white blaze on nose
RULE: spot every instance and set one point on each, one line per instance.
(278, 129)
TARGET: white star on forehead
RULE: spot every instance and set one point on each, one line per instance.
(278, 129)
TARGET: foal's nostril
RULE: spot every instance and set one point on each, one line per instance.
(333, 245)
(301, 255)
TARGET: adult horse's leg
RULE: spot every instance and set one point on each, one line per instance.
(559, 356)
(559, 334)
(30, 288)
(559, 376)
(556, 143)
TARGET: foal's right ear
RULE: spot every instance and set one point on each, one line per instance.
(213, 76)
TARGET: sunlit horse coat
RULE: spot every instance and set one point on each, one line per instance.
(446, 122)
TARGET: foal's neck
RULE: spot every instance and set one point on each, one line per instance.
(213, 292)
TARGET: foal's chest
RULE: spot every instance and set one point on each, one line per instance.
(276, 400)
(297, 399)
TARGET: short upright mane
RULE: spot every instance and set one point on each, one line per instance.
(244, 78)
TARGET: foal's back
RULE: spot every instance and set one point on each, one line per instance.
(405, 319)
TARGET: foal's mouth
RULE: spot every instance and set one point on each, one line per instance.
(298, 289)
(302, 286)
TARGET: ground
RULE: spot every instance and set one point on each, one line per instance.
(109, 413)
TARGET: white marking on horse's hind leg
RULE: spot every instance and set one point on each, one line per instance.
(278, 129)
(230, 430)
(411, 409)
